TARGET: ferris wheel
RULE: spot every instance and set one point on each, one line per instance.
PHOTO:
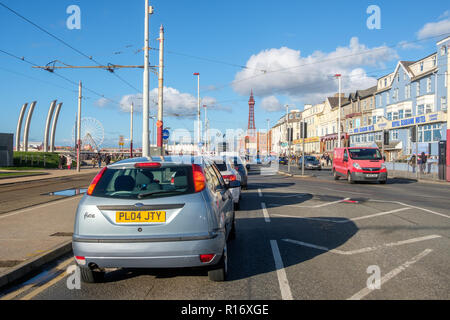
(92, 133)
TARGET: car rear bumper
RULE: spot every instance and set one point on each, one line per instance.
(148, 253)
(362, 176)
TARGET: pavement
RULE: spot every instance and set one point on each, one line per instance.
(311, 238)
(35, 225)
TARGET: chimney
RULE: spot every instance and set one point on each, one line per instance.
(336, 95)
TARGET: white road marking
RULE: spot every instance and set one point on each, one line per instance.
(415, 207)
(281, 273)
(316, 206)
(346, 219)
(364, 292)
(364, 250)
(259, 193)
(55, 202)
(265, 212)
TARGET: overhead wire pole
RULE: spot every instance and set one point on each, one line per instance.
(79, 127)
(288, 138)
(160, 90)
(131, 131)
(206, 127)
(145, 103)
(198, 112)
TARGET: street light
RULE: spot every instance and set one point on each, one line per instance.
(339, 111)
(198, 110)
(288, 138)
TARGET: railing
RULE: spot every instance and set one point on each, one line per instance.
(408, 170)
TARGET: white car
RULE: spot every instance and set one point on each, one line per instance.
(229, 174)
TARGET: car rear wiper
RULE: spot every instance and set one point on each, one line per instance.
(146, 194)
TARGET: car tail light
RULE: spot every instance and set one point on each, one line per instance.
(148, 165)
(199, 178)
(80, 260)
(95, 181)
(206, 257)
(229, 177)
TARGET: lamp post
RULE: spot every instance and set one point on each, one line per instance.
(339, 110)
(288, 139)
(267, 136)
(198, 111)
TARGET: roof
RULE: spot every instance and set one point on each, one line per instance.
(334, 101)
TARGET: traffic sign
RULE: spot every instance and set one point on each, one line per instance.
(165, 134)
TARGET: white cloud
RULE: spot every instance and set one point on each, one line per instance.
(271, 103)
(310, 78)
(432, 29)
(102, 102)
(176, 103)
(405, 45)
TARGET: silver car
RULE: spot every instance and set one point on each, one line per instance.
(155, 213)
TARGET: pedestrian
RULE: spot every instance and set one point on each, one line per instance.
(94, 161)
(423, 161)
(60, 162)
(412, 162)
(99, 159)
(107, 159)
(69, 162)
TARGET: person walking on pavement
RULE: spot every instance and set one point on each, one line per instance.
(107, 159)
(423, 161)
(413, 163)
(69, 162)
(60, 162)
(99, 159)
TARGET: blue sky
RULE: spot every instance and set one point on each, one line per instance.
(262, 35)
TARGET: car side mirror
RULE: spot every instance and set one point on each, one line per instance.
(234, 184)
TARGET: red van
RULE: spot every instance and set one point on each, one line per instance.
(359, 164)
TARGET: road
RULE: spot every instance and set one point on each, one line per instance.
(303, 238)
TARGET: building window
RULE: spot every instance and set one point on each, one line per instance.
(400, 114)
(389, 116)
(385, 82)
(408, 113)
(428, 85)
(443, 103)
(378, 136)
(420, 109)
(380, 102)
(446, 79)
(408, 91)
(398, 76)
(428, 108)
(394, 134)
(387, 98)
(374, 119)
(421, 66)
(434, 61)
(417, 89)
(443, 50)
(395, 115)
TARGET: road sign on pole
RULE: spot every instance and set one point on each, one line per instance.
(165, 134)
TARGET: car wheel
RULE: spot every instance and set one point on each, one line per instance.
(335, 175)
(219, 272)
(90, 276)
(349, 178)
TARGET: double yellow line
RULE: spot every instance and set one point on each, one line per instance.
(60, 268)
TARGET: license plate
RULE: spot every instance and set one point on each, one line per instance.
(140, 216)
(371, 175)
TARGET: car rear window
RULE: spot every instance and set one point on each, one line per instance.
(222, 166)
(145, 183)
